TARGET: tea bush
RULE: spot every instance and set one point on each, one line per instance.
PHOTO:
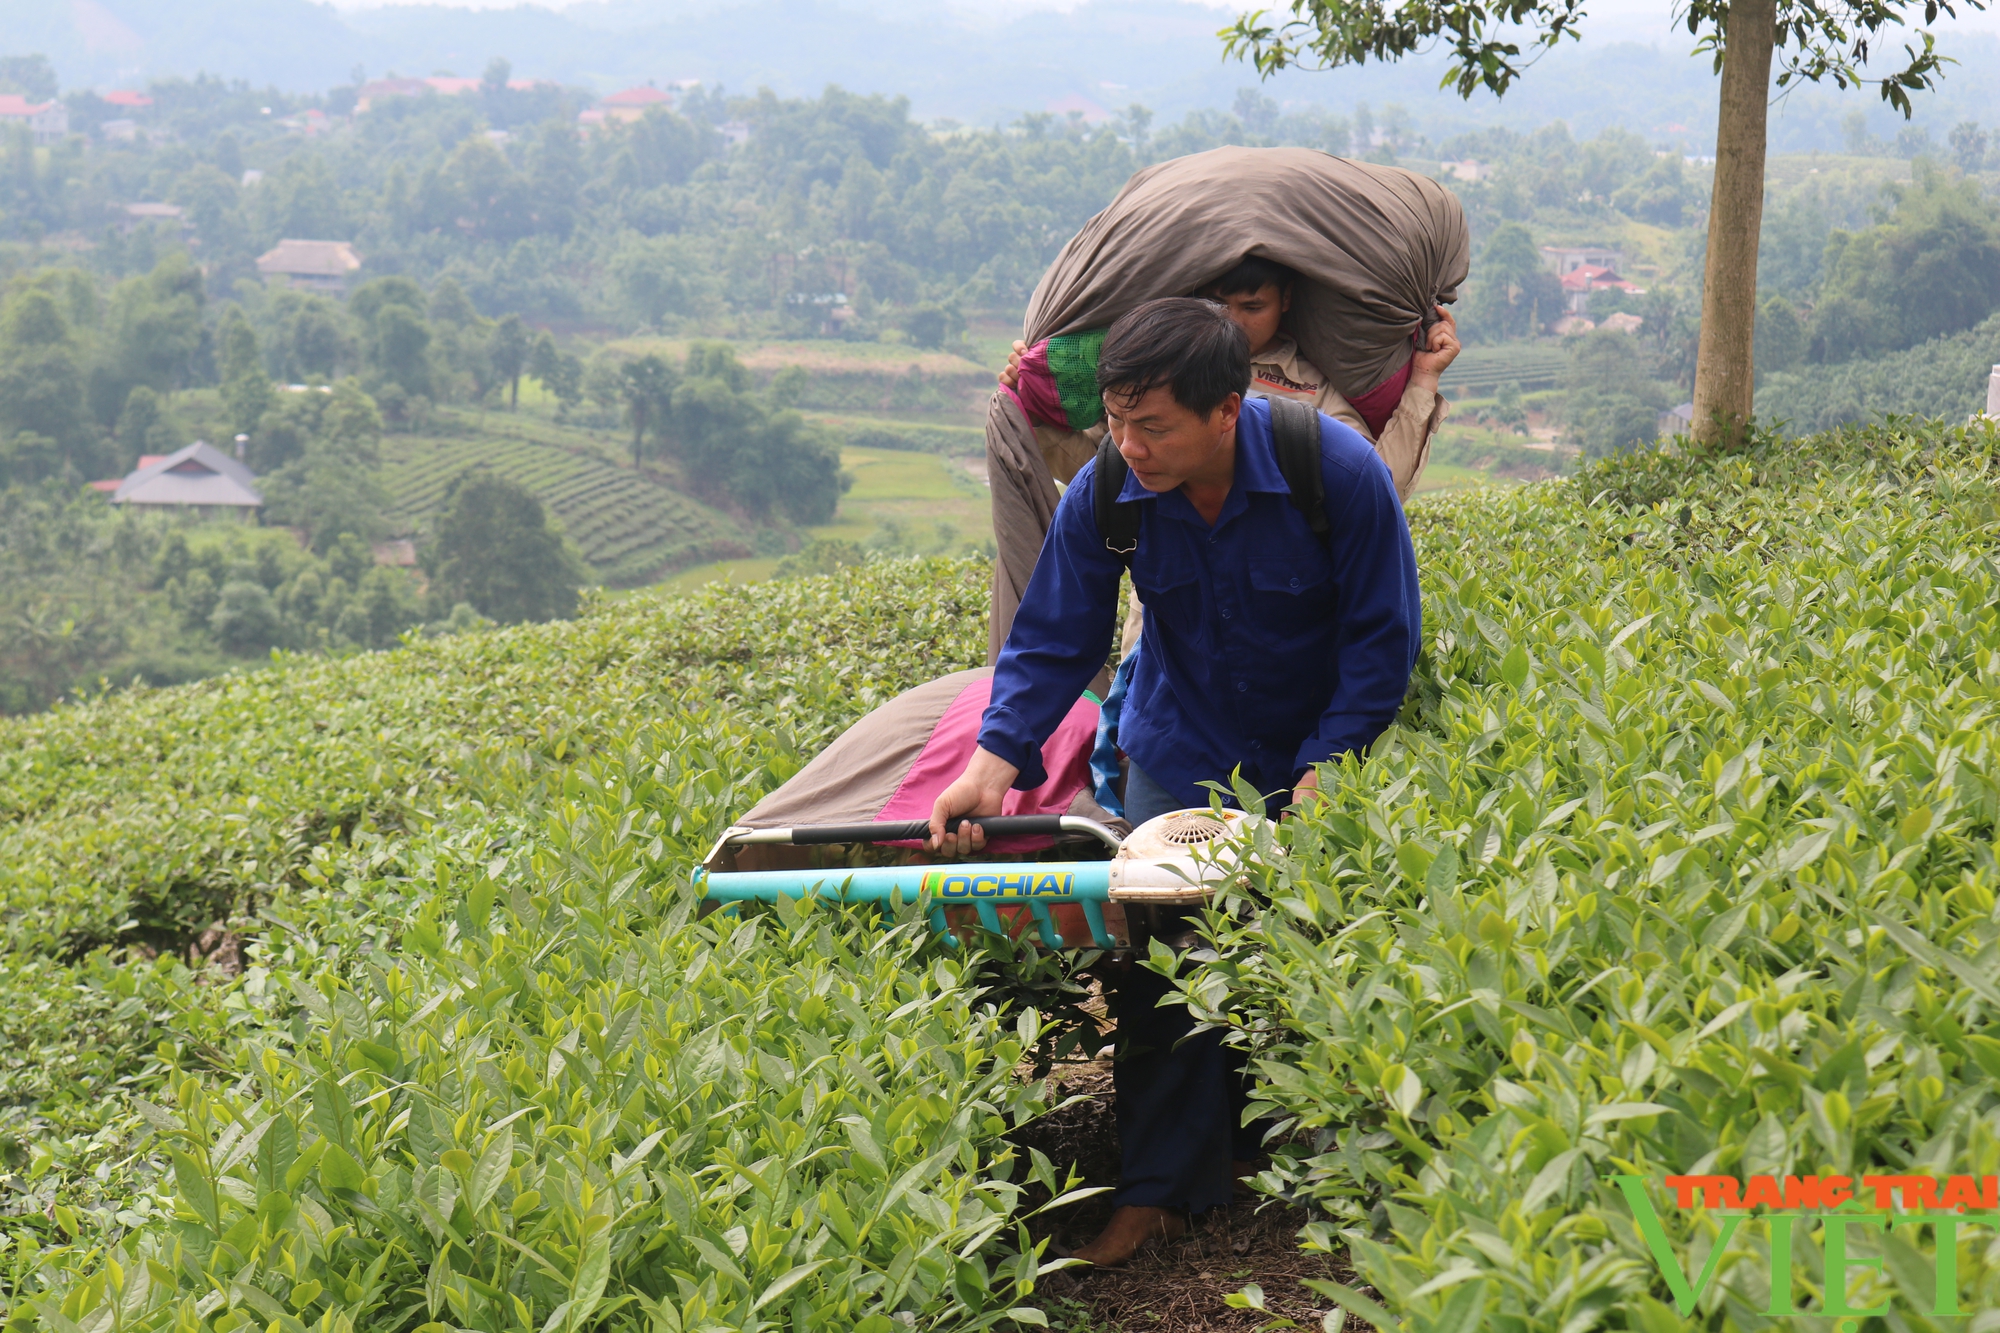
(1681, 861)
(461, 868)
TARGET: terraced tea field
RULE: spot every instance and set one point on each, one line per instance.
(631, 527)
(1478, 371)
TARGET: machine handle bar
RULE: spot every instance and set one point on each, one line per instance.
(907, 830)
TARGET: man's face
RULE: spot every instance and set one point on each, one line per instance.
(1257, 313)
(1166, 444)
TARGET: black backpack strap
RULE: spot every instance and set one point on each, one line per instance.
(1118, 521)
(1295, 439)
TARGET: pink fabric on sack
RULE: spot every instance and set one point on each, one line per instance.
(1065, 756)
(1035, 388)
(1379, 403)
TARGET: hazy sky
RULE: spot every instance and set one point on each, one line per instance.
(1624, 20)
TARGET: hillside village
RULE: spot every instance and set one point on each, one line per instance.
(537, 281)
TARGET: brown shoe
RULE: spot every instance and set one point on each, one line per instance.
(1132, 1229)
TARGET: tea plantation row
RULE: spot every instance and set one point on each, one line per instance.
(1480, 370)
(1682, 859)
(629, 526)
(1683, 863)
(467, 862)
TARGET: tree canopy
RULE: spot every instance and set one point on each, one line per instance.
(1482, 40)
(494, 549)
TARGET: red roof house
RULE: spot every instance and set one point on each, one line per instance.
(1580, 282)
(636, 102)
(47, 122)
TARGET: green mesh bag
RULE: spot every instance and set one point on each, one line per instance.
(1073, 364)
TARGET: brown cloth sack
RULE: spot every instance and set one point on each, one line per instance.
(1378, 248)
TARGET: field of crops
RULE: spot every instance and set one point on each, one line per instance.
(1681, 860)
(1478, 371)
(858, 376)
(1944, 377)
(631, 528)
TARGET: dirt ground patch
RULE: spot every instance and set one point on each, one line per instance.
(1178, 1286)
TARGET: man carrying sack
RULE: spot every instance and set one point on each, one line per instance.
(1367, 255)
(1281, 631)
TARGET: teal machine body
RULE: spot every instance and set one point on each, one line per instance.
(1175, 860)
(986, 888)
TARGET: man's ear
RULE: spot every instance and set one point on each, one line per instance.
(1227, 411)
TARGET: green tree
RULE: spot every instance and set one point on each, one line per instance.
(509, 352)
(145, 427)
(33, 77)
(1781, 336)
(1512, 295)
(1932, 268)
(1611, 403)
(369, 299)
(389, 601)
(450, 304)
(460, 364)
(246, 619)
(493, 547)
(647, 386)
(1968, 146)
(930, 324)
(1507, 412)
(213, 201)
(44, 427)
(556, 177)
(351, 423)
(247, 391)
(350, 559)
(560, 373)
(1482, 41)
(733, 445)
(153, 333)
(320, 451)
(285, 431)
(656, 277)
(313, 338)
(303, 199)
(399, 343)
(1665, 195)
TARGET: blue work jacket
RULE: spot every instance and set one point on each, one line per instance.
(1264, 647)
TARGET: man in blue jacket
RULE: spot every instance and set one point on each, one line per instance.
(1266, 648)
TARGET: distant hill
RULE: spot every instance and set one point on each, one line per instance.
(960, 63)
(1945, 377)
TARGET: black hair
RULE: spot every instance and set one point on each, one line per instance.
(1190, 345)
(1253, 274)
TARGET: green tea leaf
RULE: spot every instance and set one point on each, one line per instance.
(491, 1171)
(339, 1171)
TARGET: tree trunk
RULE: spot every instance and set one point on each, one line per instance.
(638, 431)
(1724, 378)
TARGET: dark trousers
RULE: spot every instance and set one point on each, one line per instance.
(1180, 1102)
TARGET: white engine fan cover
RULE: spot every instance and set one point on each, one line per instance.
(1179, 856)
